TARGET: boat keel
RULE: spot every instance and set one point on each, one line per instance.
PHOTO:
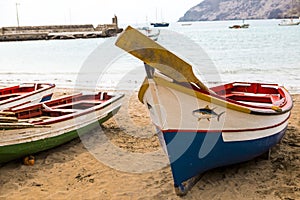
(186, 186)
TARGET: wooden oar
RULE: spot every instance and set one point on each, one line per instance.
(153, 54)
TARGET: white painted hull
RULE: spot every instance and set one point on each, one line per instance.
(175, 112)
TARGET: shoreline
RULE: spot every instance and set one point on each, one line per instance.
(71, 171)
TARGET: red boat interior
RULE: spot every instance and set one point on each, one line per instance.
(60, 107)
(254, 94)
(18, 90)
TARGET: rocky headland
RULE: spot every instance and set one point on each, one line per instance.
(211, 10)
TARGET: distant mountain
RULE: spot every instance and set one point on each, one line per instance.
(209, 10)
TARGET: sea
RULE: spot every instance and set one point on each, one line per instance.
(265, 52)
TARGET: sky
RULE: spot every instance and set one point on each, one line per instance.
(45, 12)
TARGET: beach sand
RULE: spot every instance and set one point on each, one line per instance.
(70, 171)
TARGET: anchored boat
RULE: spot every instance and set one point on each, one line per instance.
(38, 127)
(202, 128)
(160, 24)
(290, 22)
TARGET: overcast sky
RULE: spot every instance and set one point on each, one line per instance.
(46, 12)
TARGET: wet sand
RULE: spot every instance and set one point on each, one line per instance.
(71, 171)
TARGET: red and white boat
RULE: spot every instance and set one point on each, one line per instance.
(51, 123)
(25, 93)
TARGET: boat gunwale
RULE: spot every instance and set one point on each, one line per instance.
(222, 101)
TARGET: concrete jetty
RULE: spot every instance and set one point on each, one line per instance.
(53, 32)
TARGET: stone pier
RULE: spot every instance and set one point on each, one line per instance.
(51, 32)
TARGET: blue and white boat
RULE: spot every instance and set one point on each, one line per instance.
(160, 24)
(203, 128)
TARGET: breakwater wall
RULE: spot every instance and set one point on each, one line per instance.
(22, 33)
(46, 29)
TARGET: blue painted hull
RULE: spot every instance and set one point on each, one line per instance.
(186, 161)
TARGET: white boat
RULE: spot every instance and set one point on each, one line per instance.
(286, 22)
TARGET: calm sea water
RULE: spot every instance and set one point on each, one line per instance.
(265, 52)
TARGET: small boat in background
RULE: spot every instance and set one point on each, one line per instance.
(30, 129)
(186, 24)
(202, 128)
(25, 93)
(160, 24)
(151, 33)
(239, 26)
(290, 22)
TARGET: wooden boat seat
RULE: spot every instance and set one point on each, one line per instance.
(77, 104)
(66, 110)
(277, 100)
(57, 113)
(274, 99)
(69, 108)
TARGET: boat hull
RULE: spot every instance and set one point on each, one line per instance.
(199, 132)
(190, 163)
(54, 131)
(294, 24)
(14, 151)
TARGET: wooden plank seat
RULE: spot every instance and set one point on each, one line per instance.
(277, 100)
(66, 110)
(274, 99)
(57, 112)
(249, 98)
(78, 105)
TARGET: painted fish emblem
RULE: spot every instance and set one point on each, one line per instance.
(207, 113)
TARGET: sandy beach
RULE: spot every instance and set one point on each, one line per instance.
(71, 171)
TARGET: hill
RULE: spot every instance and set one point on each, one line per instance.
(210, 10)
